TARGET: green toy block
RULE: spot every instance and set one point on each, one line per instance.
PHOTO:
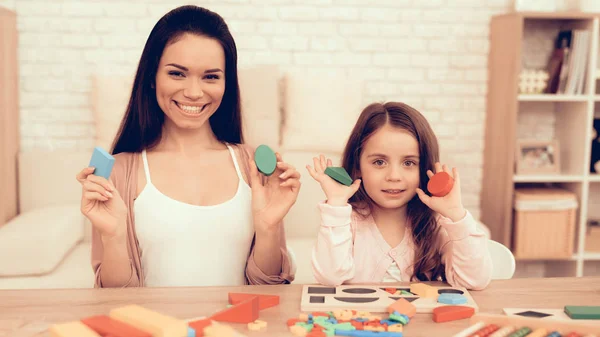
(265, 159)
(339, 174)
(582, 312)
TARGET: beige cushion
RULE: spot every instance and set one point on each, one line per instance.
(261, 105)
(320, 110)
(48, 178)
(37, 241)
(303, 219)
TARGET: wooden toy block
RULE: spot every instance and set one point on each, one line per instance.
(452, 313)
(199, 325)
(264, 301)
(265, 159)
(452, 299)
(105, 325)
(72, 329)
(404, 307)
(424, 290)
(582, 312)
(102, 161)
(157, 324)
(339, 174)
(219, 331)
(243, 312)
(440, 184)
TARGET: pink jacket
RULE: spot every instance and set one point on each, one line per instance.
(350, 249)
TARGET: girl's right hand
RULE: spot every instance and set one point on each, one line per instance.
(102, 204)
(337, 194)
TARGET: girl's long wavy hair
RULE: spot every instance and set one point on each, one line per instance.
(428, 265)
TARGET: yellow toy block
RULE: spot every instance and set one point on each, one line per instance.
(297, 330)
(395, 328)
(72, 329)
(218, 331)
(257, 325)
(424, 290)
(373, 328)
(157, 324)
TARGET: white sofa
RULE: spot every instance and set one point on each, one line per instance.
(295, 112)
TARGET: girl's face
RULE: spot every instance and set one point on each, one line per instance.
(389, 167)
(190, 81)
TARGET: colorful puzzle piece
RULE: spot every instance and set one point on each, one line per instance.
(264, 301)
(265, 159)
(404, 307)
(339, 174)
(424, 290)
(440, 184)
(452, 299)
(102, 161)
(243, 312)
(105, 325)
(452, 313)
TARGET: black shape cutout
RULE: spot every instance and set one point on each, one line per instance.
(357, 299)
(450, 291)
(317, 299)
(321, 290)
(533, 314)
(410, 299)
(359, 291)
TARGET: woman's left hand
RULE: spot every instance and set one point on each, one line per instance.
(450, 205)
(273, 200)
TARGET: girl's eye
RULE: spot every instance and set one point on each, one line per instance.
(212, 77)
(175, 73)
(378, 162)
(410, 163)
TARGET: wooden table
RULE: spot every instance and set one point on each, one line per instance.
(30, 312)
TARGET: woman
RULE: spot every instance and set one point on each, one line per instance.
(185, 204)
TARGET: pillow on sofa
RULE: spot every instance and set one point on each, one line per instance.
(261, 105)
(36, 242)
(320, 110)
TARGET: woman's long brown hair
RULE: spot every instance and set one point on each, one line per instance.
(428, 264)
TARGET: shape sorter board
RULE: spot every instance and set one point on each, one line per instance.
(545, 314)
(371, 298)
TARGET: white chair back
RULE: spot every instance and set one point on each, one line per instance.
(503, 261)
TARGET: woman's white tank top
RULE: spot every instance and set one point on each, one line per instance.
(188, 245)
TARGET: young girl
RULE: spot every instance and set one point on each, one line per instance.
(384, 227)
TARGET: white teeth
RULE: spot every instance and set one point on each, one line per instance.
(190, 109)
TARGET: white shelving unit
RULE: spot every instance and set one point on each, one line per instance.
(572, 117)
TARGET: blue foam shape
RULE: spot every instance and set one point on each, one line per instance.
(191, 332)
(449, 298)
(102, 161)
(367, 333)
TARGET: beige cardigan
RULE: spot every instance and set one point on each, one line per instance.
(124, 178)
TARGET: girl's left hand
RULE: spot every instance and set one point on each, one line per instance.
(450, 205)
(273, 200)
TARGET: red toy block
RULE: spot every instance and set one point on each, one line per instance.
(452, 313)
(440, 184)
(264, 301)
(391, 290)
(292, 321)
(320, 314)
(199, 326)
(404, 307)
(105, 326)
(243, 312)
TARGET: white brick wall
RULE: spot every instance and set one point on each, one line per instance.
(431, 54)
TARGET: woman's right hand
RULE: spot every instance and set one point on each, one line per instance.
(337, 194)
(102, 204)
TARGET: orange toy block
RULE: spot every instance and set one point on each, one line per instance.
(243, 312)
(199, 326)
(107, 326)
(404, 307)
(440, 184)
(72, 329)
(452, 313)
(424, 290)
(264, 301)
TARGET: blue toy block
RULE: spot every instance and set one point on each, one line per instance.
(191, 332)
(103, 162)
(367, 333)
(450, 298)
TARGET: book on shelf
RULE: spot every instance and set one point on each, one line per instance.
(568, 63)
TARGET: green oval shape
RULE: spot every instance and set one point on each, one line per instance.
(265, 159)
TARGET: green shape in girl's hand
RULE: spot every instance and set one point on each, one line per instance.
(265, 159)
